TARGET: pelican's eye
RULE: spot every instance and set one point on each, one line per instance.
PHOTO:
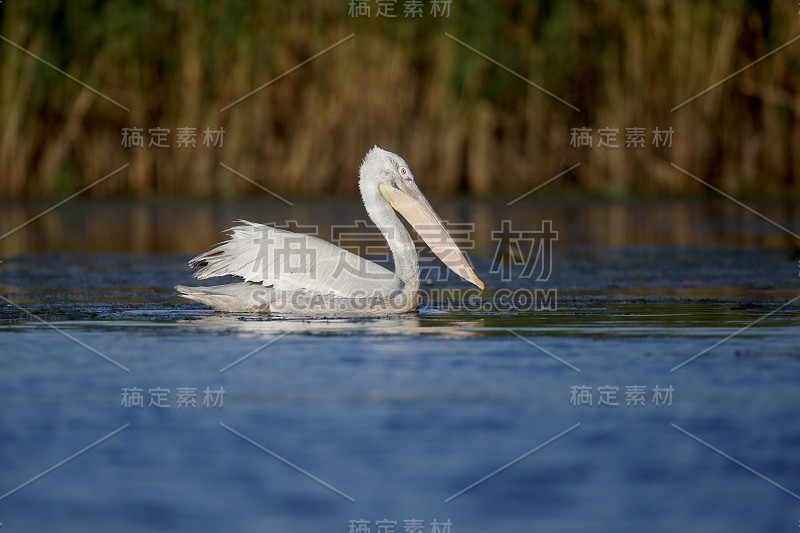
(404, 172)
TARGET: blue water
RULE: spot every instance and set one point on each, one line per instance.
(339, 420)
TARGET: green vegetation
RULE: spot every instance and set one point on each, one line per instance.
(462, 122)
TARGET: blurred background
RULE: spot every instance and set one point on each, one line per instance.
(464, 124)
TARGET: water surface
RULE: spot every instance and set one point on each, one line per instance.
(395, 417)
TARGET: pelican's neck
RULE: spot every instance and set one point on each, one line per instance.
(403, 250)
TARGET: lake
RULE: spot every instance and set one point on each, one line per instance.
(640, 371)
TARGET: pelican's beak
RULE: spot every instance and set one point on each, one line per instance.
(406, 198)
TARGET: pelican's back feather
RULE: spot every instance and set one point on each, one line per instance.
(294, 262)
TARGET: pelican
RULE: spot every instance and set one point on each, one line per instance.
(296, 274)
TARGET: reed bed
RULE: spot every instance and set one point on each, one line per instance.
(462, 122)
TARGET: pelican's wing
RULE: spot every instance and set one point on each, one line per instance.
(290, 261)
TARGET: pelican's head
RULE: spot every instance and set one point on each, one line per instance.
(387, 176)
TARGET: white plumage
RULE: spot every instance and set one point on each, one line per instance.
(292, 273)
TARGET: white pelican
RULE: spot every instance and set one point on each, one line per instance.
(290, 273)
